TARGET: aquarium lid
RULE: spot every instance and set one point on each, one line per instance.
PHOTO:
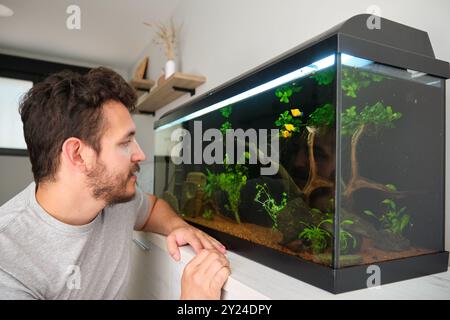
(385, 41)
(389, 33)
(393, 44)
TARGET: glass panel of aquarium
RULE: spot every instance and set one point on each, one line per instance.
(290, 119)
(392, 163)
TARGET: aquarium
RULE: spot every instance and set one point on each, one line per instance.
(325, 163)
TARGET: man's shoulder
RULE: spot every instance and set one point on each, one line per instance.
(18, 245)
(14, 207)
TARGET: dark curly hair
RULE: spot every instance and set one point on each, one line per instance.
(65, 105)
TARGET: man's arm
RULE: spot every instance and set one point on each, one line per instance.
(164, 220)
(12, 289)
(161, 217)
(205, 275)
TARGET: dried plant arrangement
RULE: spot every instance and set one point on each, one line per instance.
(165, 36)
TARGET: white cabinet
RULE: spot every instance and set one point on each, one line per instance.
(152, 274)
(155, 275)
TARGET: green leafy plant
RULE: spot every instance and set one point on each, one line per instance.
(208, 214)
(322, 116)
(225, 126)
(344, 236)
(316, 235)
(394, 220)
(285, 92)
(353, 79)
(268, 202)
(324, 77)
(350, 121)
(226, 111)
(288, 123)
(231, 181)
(376, 115)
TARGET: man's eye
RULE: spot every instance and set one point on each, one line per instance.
(126, 143)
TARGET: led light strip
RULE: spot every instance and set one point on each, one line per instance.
(300, 73)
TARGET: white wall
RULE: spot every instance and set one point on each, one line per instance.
(223, 39)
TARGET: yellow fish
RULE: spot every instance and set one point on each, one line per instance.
(286, 134)
(289, 127)
(296, 112)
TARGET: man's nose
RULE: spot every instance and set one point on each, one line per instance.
(138, 154)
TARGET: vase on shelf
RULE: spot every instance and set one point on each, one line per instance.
(169, 68)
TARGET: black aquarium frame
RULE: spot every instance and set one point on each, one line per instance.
(394, 45)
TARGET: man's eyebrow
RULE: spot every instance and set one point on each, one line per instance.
(129, 134)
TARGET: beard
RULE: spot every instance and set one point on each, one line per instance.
(111, 188)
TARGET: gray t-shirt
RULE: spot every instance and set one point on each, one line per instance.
(44, 258)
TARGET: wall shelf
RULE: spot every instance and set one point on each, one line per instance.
(171, 89)
(142, 84)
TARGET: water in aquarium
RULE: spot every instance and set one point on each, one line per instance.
(356, 163)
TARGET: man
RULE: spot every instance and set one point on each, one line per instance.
(67, 235)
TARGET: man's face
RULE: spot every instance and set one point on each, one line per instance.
(324, 156)
(112, 177)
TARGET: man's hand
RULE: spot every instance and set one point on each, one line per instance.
(193, 236)
(204, 276)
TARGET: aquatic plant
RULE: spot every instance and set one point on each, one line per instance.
(344, 236)
(225, 126)
(231, 182)
(324, 77)
(316, 235)
(394, 220)
(288, 123)
(323, 116)
(226, 111)
(376, 115)
(355, 123)
(285, 92)
(208, 214)
(268, 202)
(353, 79)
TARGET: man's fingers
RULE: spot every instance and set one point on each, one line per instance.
(206, 242)
(211, 243)
(205, 275)
(218, 245)
(213, 263)
(172, 246)
(196, 238)
(220, 278)
(197, 261)
(194, 241)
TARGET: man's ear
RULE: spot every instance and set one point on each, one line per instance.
(77, 154)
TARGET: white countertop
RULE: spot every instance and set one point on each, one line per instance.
(252, 280)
